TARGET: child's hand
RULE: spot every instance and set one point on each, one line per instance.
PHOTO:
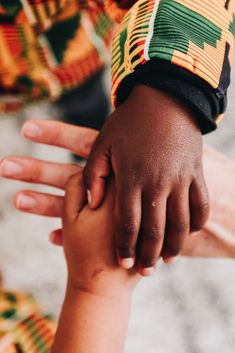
(154, 148)
(88, 241)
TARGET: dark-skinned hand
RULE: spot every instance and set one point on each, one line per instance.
(153, 147)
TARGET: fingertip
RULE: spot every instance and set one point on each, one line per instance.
(25, 202)
(31, 129)
(127, 263)
(147, 271)
(55, 237)
(168, 259)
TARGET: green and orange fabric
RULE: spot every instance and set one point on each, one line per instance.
(191, 40)
(49, 47)
(23, 326)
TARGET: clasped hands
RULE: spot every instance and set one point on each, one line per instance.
(160, 193)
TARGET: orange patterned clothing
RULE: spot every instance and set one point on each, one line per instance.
(49, 47)
(23, 327)
(185, 47)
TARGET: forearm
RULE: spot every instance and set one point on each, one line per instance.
(91, 324)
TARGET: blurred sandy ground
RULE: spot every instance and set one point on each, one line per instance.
(188, 307)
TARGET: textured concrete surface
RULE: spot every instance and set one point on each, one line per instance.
(188, 307)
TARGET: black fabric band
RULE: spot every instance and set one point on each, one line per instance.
(206, 102)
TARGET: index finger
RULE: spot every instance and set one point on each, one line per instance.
(78, 140)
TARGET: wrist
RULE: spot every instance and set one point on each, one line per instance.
(75, 294)
(184, 114)
(100, 291)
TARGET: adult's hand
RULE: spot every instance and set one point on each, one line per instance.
(76, 139)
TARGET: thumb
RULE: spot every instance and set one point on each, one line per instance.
(95, 173)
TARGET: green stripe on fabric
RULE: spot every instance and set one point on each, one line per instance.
(232, 26)
(102, 25)
(176, 26)
(36, 337)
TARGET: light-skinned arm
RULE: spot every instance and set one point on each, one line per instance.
(96, 308)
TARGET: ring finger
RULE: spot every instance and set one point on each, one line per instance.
(39, 203)
(177, 224)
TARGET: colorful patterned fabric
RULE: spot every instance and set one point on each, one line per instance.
(23, 327)
(196, 35)
(49, 47)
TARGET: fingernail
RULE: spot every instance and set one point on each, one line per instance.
(10, 168)
(148, 271)
(127, 263)
(89, 196)
(26, 202)
(31, 130)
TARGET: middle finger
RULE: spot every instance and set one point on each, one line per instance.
(37, 171)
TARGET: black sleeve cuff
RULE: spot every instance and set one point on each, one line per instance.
(206, 102)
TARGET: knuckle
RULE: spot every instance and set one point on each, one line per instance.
(161, 185)
(129, 228)
(181, 226)
(55, 135)
(35, 174)
(48, 206)
(154, 234)
(204, 208)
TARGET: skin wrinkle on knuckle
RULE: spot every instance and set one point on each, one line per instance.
(35, 174)
(180, 226)
(128, 228)
(54, 136)
(153, 234)
(204, 208)
(50, 207)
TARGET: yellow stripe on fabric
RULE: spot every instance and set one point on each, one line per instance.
(6, 57)
(219, 118)
(51, 7)
(42, 13)
(209, 10)
(150, 29)
(187, 62)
